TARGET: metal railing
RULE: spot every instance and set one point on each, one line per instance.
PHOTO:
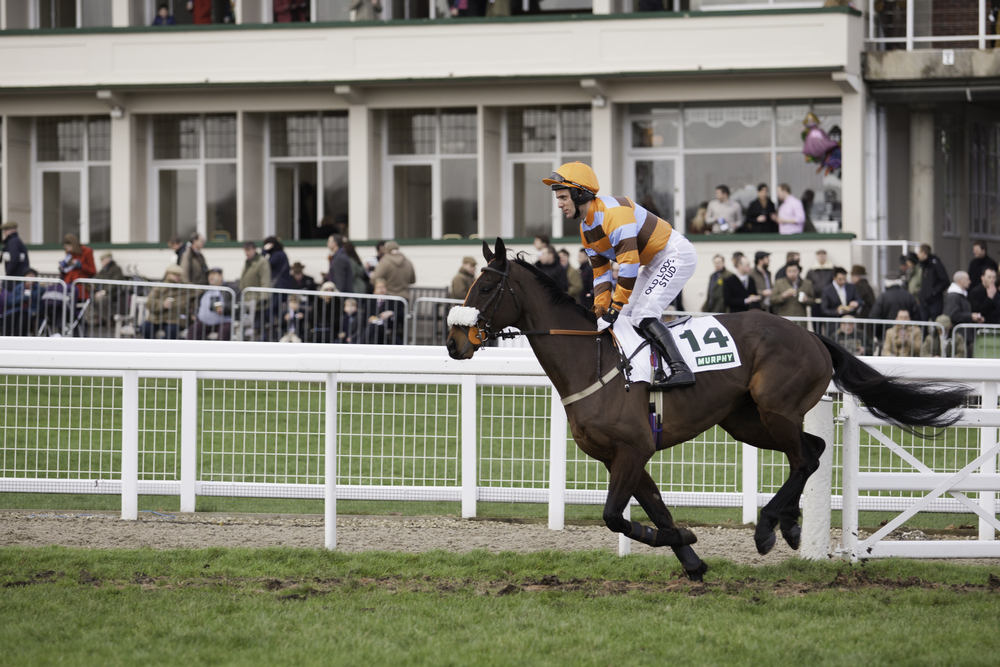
(913, 24)
(320, 317)
(34, 306)
(867, 337)
(429, 320)
(982, 341)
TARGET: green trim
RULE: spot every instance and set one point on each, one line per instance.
(563, 241)
(534, 18)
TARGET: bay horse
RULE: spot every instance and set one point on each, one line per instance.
(785, 371)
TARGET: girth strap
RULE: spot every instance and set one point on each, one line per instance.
(573, 398)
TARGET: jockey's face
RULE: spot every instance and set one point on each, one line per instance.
(565, 203)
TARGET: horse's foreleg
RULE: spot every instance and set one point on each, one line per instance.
(669, 534)
(627, 479)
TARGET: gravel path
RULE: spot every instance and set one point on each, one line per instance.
(406, 534)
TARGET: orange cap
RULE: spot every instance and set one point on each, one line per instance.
(574, 175)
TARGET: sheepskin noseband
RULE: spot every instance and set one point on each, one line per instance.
(463, 316)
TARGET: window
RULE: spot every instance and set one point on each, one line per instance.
(307, 156)
(73, 178)
(431, 162)
(538, 140)
(193, 176)
(984, 180)
(71, 13)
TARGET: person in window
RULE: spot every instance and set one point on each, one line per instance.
(791, 215)
(291, 11)
(163, 16)
(366, 10)
(202, 10)
(78, 263)
(722, 214)
(759, 212)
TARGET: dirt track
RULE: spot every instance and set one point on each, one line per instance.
(354, 534)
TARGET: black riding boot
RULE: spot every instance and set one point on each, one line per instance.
(659, 335)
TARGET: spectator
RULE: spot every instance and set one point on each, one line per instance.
(351, 323)
(291, 11)
(572, 275)
(698, 224)
(194, 268)
(913, 275)
(257, 273)
(78, 263)
(586, 279)
(372, 262)
(462, 282)
(163, 16)
(541, 241)
(15, 253)
(933, 283)
(397, 272)
(178, 248)
(361, 284)
(791, 216)
(723, 215)
(792, 294)
(980, 262)
(299, 280)
(985, 299)
(384, 318)
(894, 299)
(850, 338)
(839, 298)
(738, 290)
(736, 259)
(215, 311)
(714, 301)
(950, 346)
(759, 218)
(202, 10)
(866, 295)
(340, 274)
(106, 299)
(465, 8)
(366, 10)
(957, 306)
(164, 307)
(21, 304)
(762, 277)
(553, 269)
(326, 314)
(274, 251)
(902, 340)
(821, 274)
(293, 321)
(790, 258)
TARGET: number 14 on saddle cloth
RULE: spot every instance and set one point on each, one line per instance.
(705, 344)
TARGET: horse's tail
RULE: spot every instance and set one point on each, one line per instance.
(905, 404)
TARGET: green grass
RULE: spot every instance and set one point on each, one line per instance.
(296, 606)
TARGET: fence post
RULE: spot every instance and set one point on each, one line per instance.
(624, 541)
(470, 447)
(557, 463)
(750, 483)
(909, 26)
(330, 461)
(987, 440)
(851, 461)
(816, 497)
(189, 439)
(130, 445)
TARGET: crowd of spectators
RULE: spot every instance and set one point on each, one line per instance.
(723, 215)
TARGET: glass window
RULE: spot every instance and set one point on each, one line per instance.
(335, 192)
(95, 13)
(412, 132)
(531, 129)
(220, 136)
(332, 10)
(57, 13)
(334, 133)
(459, 210)
(178, 203)
(789, 120)
(458, 131)
(220, 200)
(660, 130)
(655, 181)
(99, 139)
(176, 137)
(413, 200)
(99, 189)
(801, 176)
(294, 135)
(727, 127)
(576, 128)
(60, 139)
(60, 205)
(741, 172)
(533, 205)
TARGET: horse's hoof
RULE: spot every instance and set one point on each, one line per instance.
(697, 574)
(793, 536)
(765, 543)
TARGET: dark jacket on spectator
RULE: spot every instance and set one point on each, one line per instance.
(957, 307)
(555, 271)
(378, 333)
(280, 273)
(933, 284)
(714, 301)
(341, 272)
(830, 300)
(893, 300)
(194, 268)
(307, 283)
(587, 278)
(734, 294)
(110, 272)
(984, 305)
(754, 210)
(866, 297)
(15, 256)
(978, 266)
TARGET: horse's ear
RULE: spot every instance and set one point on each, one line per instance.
(501, 250)
(487, 253)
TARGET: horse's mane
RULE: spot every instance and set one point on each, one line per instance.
(557, 297)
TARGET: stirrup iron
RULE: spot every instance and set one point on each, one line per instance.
(659, 335)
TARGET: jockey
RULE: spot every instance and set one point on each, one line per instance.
(654, 262)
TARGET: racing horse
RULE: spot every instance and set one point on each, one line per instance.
(785, 371)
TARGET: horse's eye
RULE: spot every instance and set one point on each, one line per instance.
(486, 289)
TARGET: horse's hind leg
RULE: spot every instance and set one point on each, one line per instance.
(668, 533)
(812, 449)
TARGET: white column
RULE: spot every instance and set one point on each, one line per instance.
(909, 25)
(604, 148)
(120, 14)
(490, 165)
(602, 6)
(122, 173)
(359, 195)
(816, 497)
(130, 445)
(470, 447)
(624, 541)
(189, 439)
(853, 161)
(922, 176)
(17, 177)
(849, 465)
(330, 469)
(982, 24)
(557, 463)
(750, 483)
(250, 176)
(987, 440)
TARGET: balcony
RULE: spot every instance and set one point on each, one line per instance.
(929, 24)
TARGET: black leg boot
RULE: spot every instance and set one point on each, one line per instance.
(658, 334)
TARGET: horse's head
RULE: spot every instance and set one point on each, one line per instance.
(490, 306)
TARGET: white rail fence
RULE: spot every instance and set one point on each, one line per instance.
(499, 431)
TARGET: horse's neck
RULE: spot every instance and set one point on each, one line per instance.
(569, 361)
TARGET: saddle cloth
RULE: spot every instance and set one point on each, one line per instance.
(704, 342)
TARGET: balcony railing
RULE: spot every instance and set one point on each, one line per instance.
(924, 24)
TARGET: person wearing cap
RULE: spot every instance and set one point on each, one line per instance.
(762, 277)
(654, 261)
(462, 282)
(15, 253)
(299, 280)
(215, 310)
(396, 270)
(106, 298)
(165, 306)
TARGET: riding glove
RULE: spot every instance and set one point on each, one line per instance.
(609, 316)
